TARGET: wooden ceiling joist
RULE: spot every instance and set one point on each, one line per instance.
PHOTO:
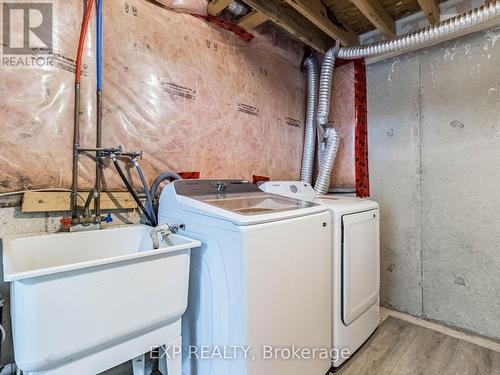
(316, 12)
(215, 7)
(431, 10)
(378, 16)
(252, 19)
(293, 22)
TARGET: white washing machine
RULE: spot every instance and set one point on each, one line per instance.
(260, 286)
(356, 264)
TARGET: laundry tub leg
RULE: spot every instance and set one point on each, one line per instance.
(170, 358)
(139, 365)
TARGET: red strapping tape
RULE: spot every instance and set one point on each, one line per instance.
(256, 179)
(361, 147)
(190, 175)
(226, 25)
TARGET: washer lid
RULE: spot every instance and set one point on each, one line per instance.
(240, 201)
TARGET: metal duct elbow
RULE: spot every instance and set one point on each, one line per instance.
(453, 27)
(325, 86)
(328, 151)
(237, 8)
(311, 66)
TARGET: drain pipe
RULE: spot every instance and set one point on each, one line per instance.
(311, 66)
(171, 176)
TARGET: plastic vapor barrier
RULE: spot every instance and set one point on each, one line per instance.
(187, 6)
(192, 96)
(343, 119)
(36, 104)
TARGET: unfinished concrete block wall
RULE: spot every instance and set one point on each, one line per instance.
(434, 149)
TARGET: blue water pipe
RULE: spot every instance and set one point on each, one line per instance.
(98, 143)
(151, 214)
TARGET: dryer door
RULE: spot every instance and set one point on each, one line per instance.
(360, 263)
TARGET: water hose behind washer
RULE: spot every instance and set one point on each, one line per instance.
(486, 15)
(131, 190)
(149, 200)
(171, 176)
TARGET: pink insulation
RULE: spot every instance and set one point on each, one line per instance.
(198, 7)
(343, 118)
(193, 97)
(36, 108)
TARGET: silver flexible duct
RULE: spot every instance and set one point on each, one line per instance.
(328, 139)
(311, 66)
(453, 27)
(325, 86)
(237, 8)
(329, 147)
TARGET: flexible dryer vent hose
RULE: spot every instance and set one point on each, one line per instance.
(474, 20)
(311, 66)
(328, 139)
(328, 151)
(453, 27)
(325, 86)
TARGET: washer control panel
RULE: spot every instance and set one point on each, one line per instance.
(296, 189)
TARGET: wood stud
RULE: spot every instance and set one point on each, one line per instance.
(215, 7)
(431, 10)
(293, 22)
(36, 201)
(252, 20)
(378, 16)
(316, 12)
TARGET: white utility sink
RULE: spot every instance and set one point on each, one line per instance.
(84, 302)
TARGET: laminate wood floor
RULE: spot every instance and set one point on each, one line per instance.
(402, 348)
